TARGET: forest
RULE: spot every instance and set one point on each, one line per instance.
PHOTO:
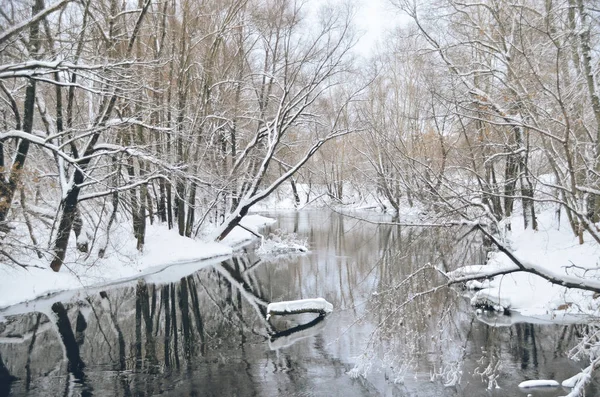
(189, 113)
(120, 116)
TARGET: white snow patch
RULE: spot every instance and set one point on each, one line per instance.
(280, 243)
(538, 383)
(240, 236)
(572, 381)
(477, 285)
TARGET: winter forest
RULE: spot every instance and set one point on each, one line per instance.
(148, 132)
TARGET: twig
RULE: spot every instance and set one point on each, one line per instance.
(16, 262)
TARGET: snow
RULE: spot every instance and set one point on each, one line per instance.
(481, 271)
(552, 250)
(355, 199)
(572, 381)
(477, 285)
(538, 383)
(495, 319)
(282, 243)
(297, 306)
(165, 252)
(239, 236)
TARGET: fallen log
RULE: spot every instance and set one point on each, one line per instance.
(317, 305)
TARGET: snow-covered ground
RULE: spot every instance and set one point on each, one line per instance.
(162, 249)
(553, 249)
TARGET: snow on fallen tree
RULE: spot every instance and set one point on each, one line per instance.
(317, 305)
(467, 273)
(574, 380)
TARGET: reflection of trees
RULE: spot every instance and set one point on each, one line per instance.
(29, 349)
(289, 336)
(145, 328)
(422, 326)
(150, 327)
(208, 330)
(75, 363)
(5, 379)
(415, 329)
(525, 346)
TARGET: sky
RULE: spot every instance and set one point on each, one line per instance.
(373, 19)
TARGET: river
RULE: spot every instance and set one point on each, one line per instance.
(200, 329)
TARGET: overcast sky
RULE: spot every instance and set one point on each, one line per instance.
(374, 18)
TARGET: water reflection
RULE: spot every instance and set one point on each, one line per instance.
(201, 330)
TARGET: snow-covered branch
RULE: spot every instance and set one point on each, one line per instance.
(8, 33)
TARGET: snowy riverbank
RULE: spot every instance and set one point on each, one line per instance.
(122, 261)
(553, 249)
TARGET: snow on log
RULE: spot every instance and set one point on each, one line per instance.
(318, 305)
(538, 383)
(491, 299)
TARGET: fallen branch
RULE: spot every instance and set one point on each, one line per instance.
(16, 262)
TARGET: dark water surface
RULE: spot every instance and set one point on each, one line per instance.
(200, 329)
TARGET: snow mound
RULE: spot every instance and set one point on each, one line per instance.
(491, 299)
(474, 285)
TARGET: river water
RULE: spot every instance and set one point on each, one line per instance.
(200, 329)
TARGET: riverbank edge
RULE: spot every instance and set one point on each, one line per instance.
(164, 249)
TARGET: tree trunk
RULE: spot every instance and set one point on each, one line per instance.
(588, 72)
(75, 364)
(8, 188)
(69, 203)
(141, 229)
(66, 222)
(191, 212)
(529, 218)
(180, 208)
(169, 207)
(295, 193)
(510, 182)
(243, 210)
